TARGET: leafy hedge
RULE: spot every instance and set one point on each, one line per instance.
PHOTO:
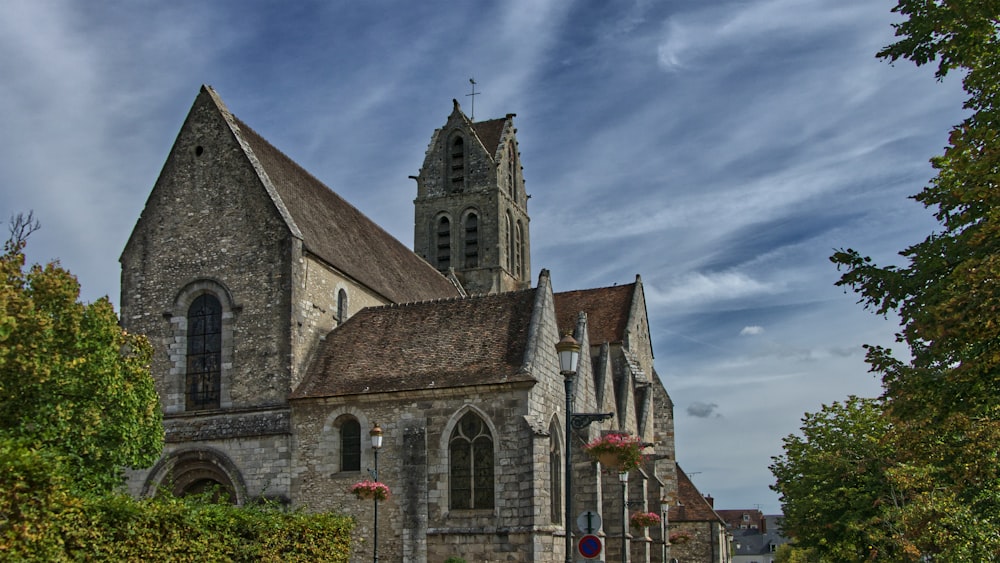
(41, 521)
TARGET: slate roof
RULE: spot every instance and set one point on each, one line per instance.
(489, 133)
(427, 345)
(607, 311)
(341, 235)
(692, 507)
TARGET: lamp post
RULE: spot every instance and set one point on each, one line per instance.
(664, 520)
(376, 434)
(569, 355)
(623, 478)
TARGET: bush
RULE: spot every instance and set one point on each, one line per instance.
(41, 521)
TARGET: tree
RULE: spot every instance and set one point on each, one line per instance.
(72, 381)
(836, 498)
(946, 398)
(789, 553)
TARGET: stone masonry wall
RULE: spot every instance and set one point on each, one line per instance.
(316, 314)
(416, 524)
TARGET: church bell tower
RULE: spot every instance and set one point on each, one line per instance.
(471, 210)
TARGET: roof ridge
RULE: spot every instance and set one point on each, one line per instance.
(441, 300)
(590, 289)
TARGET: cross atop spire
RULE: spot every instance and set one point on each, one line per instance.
(473, 95)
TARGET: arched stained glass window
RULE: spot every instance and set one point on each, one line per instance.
(204, 353)
(350, 445)
(471, 463)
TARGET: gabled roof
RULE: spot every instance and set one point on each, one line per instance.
(427, 345)
(607, 311)
(691, 506)
(337, 232)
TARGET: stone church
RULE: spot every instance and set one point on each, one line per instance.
(286, 325)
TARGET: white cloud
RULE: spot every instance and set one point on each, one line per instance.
(698, 289)
(752, 330)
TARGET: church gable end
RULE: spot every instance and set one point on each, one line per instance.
(209, 223)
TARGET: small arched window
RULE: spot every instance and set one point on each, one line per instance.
(341, 306)
(471, 240)
(471, 463)
(457, 163)
(350, 445)
(555, 477)
(204, 353)
(518, 251)
(510, 243)
(443, 244)
(512, 172)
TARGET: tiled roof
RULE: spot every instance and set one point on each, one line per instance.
(344, 237)
(607, 311)
(733, 517)
(426, 345)
(692, 507)
(489, 133)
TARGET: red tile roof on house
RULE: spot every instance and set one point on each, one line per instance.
(691, 505)
(339, 233)
(607, 311)
(427, 345)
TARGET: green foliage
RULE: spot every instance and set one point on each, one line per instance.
(43, 521)
(790, 553)
(832, 481)
(946, 398)
(71, 380)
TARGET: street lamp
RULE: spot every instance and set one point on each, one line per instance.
(623, 478)
(664, 520)
(569, 356)
(376, 434)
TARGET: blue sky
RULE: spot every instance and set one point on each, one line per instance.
(721, 149)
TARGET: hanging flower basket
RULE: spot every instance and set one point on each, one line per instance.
(369, 490)
(644, 520)
(680, 536)
(616, 451)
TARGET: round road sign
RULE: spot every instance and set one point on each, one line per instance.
(590, 546)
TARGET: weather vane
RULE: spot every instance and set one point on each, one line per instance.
(473, 95)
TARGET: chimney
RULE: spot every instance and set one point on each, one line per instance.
(710, 501)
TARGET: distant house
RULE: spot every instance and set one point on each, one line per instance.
(756, 536)
(697, 531)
